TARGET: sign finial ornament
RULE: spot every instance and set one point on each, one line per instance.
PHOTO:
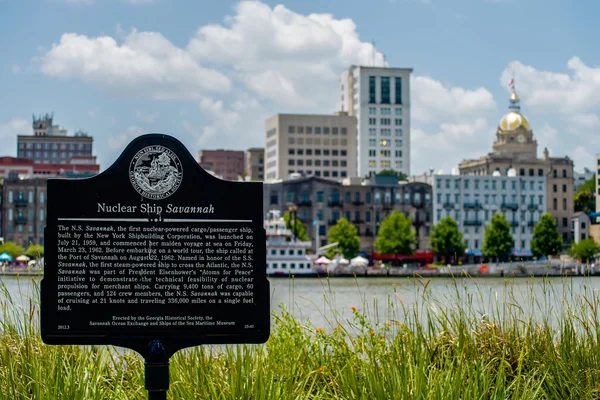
(155, 172)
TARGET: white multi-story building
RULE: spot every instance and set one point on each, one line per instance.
(380, 99)
(472, 200)
(310, 145)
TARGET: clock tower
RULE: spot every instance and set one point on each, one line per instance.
(514, 136)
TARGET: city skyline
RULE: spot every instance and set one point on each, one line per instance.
(118, 69)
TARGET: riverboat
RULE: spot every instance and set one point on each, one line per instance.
(286, 255)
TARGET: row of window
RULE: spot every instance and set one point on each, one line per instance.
(555, 188)
(316, 141)
(489, 184)
(317, 163)
(22, 196)
(385, 132)
(292, 265)
(317, 152)
(408, 198)
(386, 111)
(289, 252)
(326, 174)
(475, 230)
(10, 228)
(475, 215)
(21, 214)
(475, 244)
(494, 197)
(55, 146)
(384, 164)
(51, 154)
(385, 143)
(384, 93)
(385, 121)
(317, 130)
(385, 153)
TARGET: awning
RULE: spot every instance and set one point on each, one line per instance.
(473, 253)
(522, 253)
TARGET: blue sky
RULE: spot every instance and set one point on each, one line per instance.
(210, 72)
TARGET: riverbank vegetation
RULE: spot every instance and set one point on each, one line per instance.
(465, 344)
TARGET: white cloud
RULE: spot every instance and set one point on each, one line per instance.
(16, 68)
(281, 55)
(586, 121)
(554, 92)
(118, 143)
(583, 158)
(449, 145)
(146, 117)
(145, 64)
(239, 125)
(8, 135)
(433, 102)
(546, 136)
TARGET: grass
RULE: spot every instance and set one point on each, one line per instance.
(447, 347)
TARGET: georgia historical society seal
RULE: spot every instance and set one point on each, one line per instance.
(155, 172)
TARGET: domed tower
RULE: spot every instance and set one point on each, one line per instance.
(514, 136)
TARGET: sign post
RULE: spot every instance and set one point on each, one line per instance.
(155, 255)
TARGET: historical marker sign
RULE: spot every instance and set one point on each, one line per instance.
(154, 249)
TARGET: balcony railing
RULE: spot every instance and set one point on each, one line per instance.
(335, 203)
(473, 222)
(358, 203)
(473, 205)
(388, 205)
(20, 220)
(305, 203)
(332, 221)
(21, 202)
(514, 223)
(531, 223)
(368, 233)
(357, 221)
(448, 205)
(510, 206)
(532, 207)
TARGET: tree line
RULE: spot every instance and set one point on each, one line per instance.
(396, 237)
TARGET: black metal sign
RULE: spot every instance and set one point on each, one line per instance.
(154, 254)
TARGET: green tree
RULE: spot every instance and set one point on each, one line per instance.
(498, 242)
(396, 235)
(546, 240)
(12, 249)
(585, 250)
(35, 251)
(346, 235)
(584, 197)
(447, 240)
(300, 230)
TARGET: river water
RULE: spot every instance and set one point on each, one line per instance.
(327, 303)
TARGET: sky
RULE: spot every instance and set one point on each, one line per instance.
(211, 72)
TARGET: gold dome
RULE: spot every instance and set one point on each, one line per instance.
(514, 97)
(513, 120)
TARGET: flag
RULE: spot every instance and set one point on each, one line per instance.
(315, 222)
(511, 83)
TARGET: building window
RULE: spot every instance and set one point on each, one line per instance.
(372, 142)
(372, 111)
(386, 132)
(398, 142)
(386, 111)
(554, 188)
(372, 132)
(317, 130)
(372, 153)
(385, 90)
(398, 153)
(398, 121)
(565, 222)
(398, 94)
(372, 164)
(555, 203)
(372, 121)
(522, 172)
(565, 204)
(372, 90)
(540, 172)
(368, 197)
(398, 132)
(564, 173)
(385, 121)
(291, 129)
(384, 143)
(555, 173)
(564, 188)
(344, 131)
